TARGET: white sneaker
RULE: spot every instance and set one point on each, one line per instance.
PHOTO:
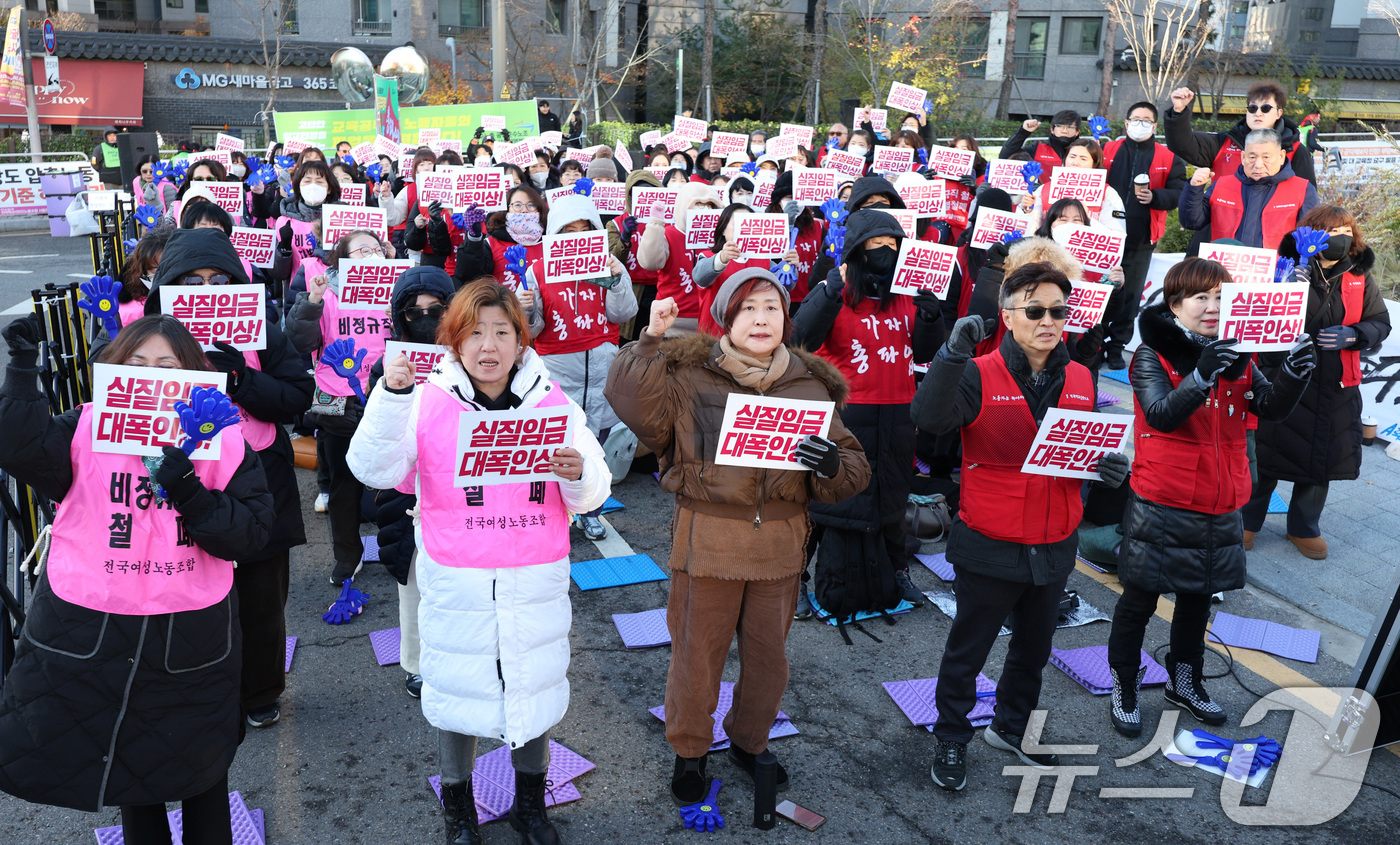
(323, 503)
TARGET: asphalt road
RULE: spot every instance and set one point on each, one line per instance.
(349, 761)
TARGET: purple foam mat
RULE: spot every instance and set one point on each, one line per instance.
(643, 630)
(371, 544)
(259, 822)
(246, 830)
(938, 564)
(1244, 632)
(726, 700)
(917, 699)
(291, 649)
(554, 795)
(1088, 667)
(386, 645)
(779, 730)
(1089, 563)
(1105, 398)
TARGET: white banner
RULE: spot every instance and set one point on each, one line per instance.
(763, 431)
(1069, 444)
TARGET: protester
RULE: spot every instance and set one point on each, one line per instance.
(1257, 204)
(106, 159)
(1064, 128)
(1320, 441)
(297, 220)
(738, 534)
(406, 200)
(139, 274)
(720, 262)
(1182, 530)
(541, 172)
(434, 237)
(548, 120)
(624, 235)
(1222, 152)
(494, 619)
(1081, 153)
(569, 173)
(147, 190)
(810, 232)
(523, 223)
(979, 164)
(661, 248)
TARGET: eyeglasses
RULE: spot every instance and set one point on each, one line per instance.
(216, 279)
(1037, 312)
(521, 206)
(203, 179)
(361, 251)
(434, 311)
(1260, 108)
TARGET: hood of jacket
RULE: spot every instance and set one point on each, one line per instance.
(869, 223)
(699, 350)
(415, 280)
(569, 208)
(1159, 330)
(1287, 132)
(530, 383)
(640, 176)
(194, 249)
(869, 186)
(690, 195)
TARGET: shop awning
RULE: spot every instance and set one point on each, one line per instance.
(1346, 109)
(90, 94)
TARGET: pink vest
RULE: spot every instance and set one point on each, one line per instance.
(493, 526)
(260, 434)
(301, 247)
(147, 566)
(130, 312)
(369, 329)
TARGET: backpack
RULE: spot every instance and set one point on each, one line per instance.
(854, 574)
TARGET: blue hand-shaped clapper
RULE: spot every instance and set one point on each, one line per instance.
(209, 412)
(584, 186)
(1098, 127)
(342, 357)
(101, 302)
(1310, 242)
(1283, 269)
(705, 816)
(515, 264)
(1031, 172)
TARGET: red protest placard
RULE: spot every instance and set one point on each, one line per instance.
(369, 285)
(1087, 302)
(644, 198)
(690, 129)
(1099, 250)
(493, 122)
(511, 447)
(906, 97)
(1264, 318)
(1083, 184)
(848, 164)
(762, 235)
(228, 142)
(421, 356)
(569, 258)
(1247, 265)
(340, 220)
(352, 194)
(228, 196)
(1005, 173)
(133, 409)
(485, 186)
(951, 162)
(924, 265)
(232, 314)
(814, 185)
(803, 134)
(700, 228)
(254, 245)
(892, 160)
(926, 199)
(1069, 444)
(992, 225)
(763, 431)
(725, 143)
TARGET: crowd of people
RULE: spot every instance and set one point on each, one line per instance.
(136, 696)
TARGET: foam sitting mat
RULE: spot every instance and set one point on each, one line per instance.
(782, 725)
(489, 796)
(247, 829)
(938, 564)
(917, 698)
(1116, 375)
(493, 781)
(615, 572)
(823, 615)
(1086, 613)
(371, 544)
(643, 630)
(291, 650)
(1088, 667)
(1104, 399)
(386, 645)
(613, 505)
(1089, 563)
(1277, 504)
(1260, 635)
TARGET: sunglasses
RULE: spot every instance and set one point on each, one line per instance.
(1037, 312)
(216, 279)
(414, 313)
(204, 179)
(835, 134)
(1257, 108)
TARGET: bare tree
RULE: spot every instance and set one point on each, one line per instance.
(809, 92)
(707, 53)
(1165, 37)
(265, 17)
(1110, 50)
(1217, 67)
(1008, 62)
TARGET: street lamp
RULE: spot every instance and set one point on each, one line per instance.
(452, 46)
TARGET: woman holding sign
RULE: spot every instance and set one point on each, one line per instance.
(124, 689)
(493, 558)
(739, 533)
(296, 220)
(1182, 530)
(1081, 154)
(523, 223)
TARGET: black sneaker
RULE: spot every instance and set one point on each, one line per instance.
(950, 765)
(748, 762)
(689, 783)
(341, 571)
(414, 685)
(804, 603)
(1113, 359)
(907, 590)
(265, 717)
(1010, 742)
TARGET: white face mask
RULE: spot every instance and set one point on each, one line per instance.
(313, 194)
(758, 148)
(741, 197)
(238, 170)
(539, 179)
(857, 149)
(1139, 130)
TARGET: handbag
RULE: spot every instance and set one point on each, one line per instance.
(928, 517)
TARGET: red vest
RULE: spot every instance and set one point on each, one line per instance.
(1048, 158)
(1227, 158)
(674, 279)
(873, 350)
(1202, 466)
(498, 260)
(640, 276)
(1162, 161)
(809, 249)
(998, 500)
(412, 206)
(707, 295)
(575, 318)
(1353, 295)
(1280, 216)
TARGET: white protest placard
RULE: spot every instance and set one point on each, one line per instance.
(926, 199)
(761, 235)
(574, 257)
(553, 138)
(1070, 443)
(534, 142)
(1264, 318)
(257, 246)
(484, 186)
(406, 162)
(847, 164)
(493, 122)
(993, 225)
(223, 157)
(700, 228)
(368, 285)
(133, 409)
(1098, 249)
(645, 196)
(674, 142)
(421, 356)
(518, 154)
(1084, 184)
(609, 197)
(951, 162)
(803, 134)
(228, 142)
(924, 265)
(689, 128)
(385, 147)
(908, 220)
(511, 447)
(879, 120)
(428, 134)
(781, 147)
(340, 220)
(232, 314)
(363, 153)
(906, 97)
(650, 139)
(1005, 173)
(435, 187)
(99, 199)
(764, 183)
(621, 154)
(352, 194)
(659, 172)
(892, 160)
(553, 194)
(292, 146)
(763, 431)
(724, 143)
(581, 156)
(1247, 265)
(812, 186)
(1087, 302)
(227, 195)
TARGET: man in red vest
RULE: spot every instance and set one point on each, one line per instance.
(1014, 542)
(1064, 127)
(1149, 178)
(1257, 204)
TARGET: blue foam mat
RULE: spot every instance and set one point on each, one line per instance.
(612, 505)
(1116, 375)
(1277, 504)
(615, 571)
(823, 615)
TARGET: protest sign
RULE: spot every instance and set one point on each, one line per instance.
(232, 314)
(813, 186)
(926, 199)
(363, 153)
(924, 265)
(292, 146)
(1069, 444)
(993, 224)
(340, 220)
(385, 147)
(583, 157)
(511, 447)
(553, 138)
(518, 154)
(406, 162)
(609, 197)
(763, 431)
(1005, 173)
(763, 185)
(227, 195)
(623, 156)
(257, 246)
(674, 142)
(228, 142)
(421, 356)
(577, 256)
(1264, 318)
(1085, 185)
(848, 164)
(1098, 249)
(689, 129)
(427, 135)
(1247, 265)
(780, 147)
(650, 139)
(906, 97)
(700, 228)
(133, 409)
(643, 198)
(493, 122)
(484, 186)
(369, 285)
(803, 134)
(908, 220)
(725, 143)
(951, 162)
(762, 235)
(352, 194)
(893, 160)
(553, 194)
(223, 157)
(436, 187)
(1087, 302)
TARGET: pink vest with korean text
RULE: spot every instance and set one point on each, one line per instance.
(301, 247)
(130, 312)
(466, 527)
(260, 434)
(369, 330)
(148, 565)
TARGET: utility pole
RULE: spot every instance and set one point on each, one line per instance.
(498, 49)
(36, 152)
(680, 80)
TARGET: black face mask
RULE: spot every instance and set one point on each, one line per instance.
(422, 330)
(880, 261)
(1338, 246)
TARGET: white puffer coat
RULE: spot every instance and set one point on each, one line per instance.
(471, 618)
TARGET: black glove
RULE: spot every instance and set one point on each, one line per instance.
(629, 228)
(929, 306)
(820, 455)
(477, 135)
(284, 237)
(23, 337)
(1336, 337)
(967, 333)
(1301, 359)
(435, 210)
(505, 134)
(930, 173)
(969, 181)
(1218, 354)
(996, 254)
(1113, 468)
(226, 359)
(1086, 349)
(176, 476)
(834, 287)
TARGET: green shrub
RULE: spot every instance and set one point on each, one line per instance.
(1175, 239)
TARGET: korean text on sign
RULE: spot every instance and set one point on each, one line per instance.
(1265, 318)
(609, 197)
(992, 225)
(421, 356)
(254, 245)
(1005, 173)
(511, 447)
(926, 199)
(1078, 183)
(725, 143)
(338, 221)
(228, 196)
(762, 235)
(690, 129)
(781, 147)
(369, 285)
(906, 97)
(352, 194)
(232, 314)
(1070, 443)
(436, 187)
(847, 164)
(762, 431)
(228, 142)
(644, 198)
(951, 162)
(569, 258)
(1247, 265)
(924, 265)
(813, 185)
(1099, 250)
(893, 160)
(1087, 302)
(700, 228)
(484, 186)
(803, 134)
(134, 413)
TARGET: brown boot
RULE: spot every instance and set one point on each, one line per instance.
(1311, 547)
(1248, 540)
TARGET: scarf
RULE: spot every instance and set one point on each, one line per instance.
(1198, 339)
(753, 373)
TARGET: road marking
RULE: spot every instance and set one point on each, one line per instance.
(80, 275)
(17, 257)
(25, 306)
(612, 545)
(18, 272)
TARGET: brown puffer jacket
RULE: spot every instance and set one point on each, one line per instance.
(730, 522)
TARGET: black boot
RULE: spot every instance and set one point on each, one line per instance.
(1127, 719)
(689, 781)
(527, 814)
(1184, 689)
(459, 814)
(748, 762)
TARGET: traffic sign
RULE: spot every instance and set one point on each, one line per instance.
(52, 83)
(49, 41)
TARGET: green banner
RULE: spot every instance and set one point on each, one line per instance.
(327, 128)
(386, 107)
